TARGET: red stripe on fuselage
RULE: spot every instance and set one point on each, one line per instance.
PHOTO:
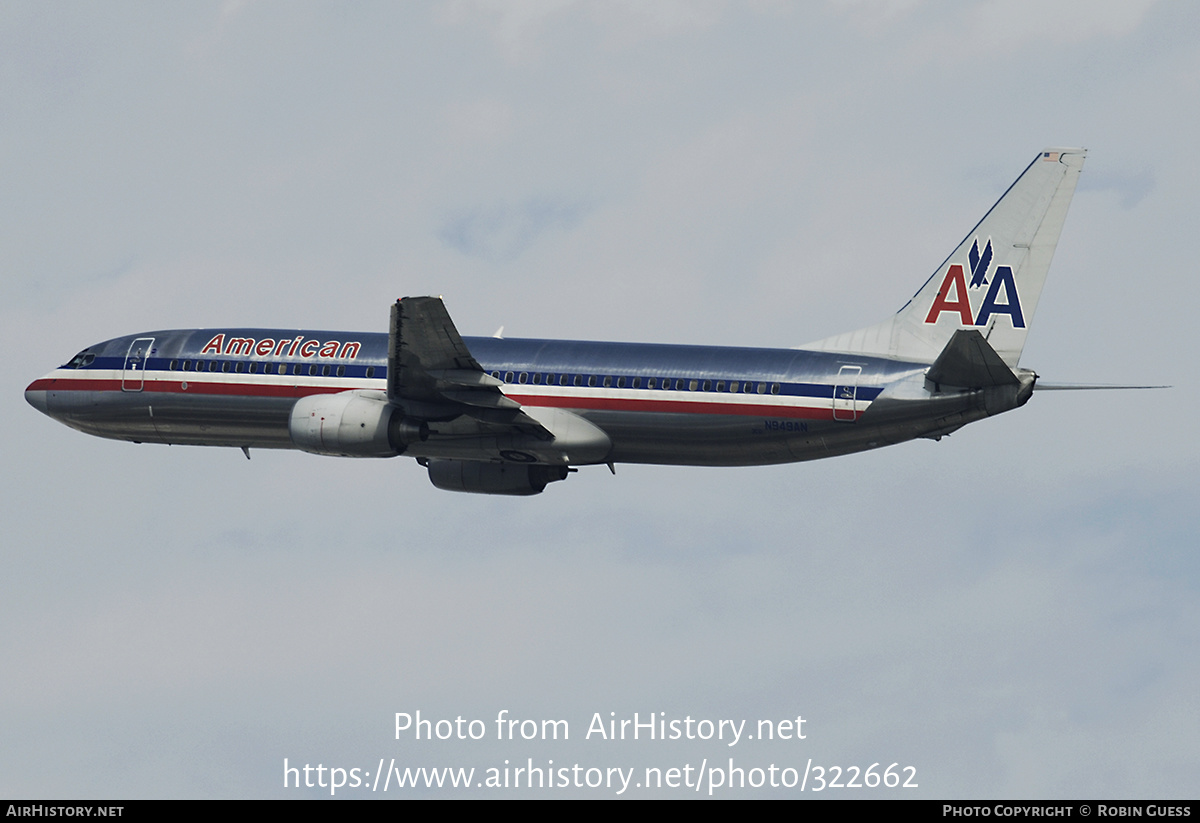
(176, 387)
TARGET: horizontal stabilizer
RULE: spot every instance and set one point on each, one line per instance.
(968, 361)
(1040, 386)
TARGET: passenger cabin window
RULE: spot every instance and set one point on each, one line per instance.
(371, 372)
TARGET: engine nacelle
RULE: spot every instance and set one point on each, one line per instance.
(352, 424)
(493, 478)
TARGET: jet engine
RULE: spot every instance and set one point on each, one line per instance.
(493, 478)
(352, 424)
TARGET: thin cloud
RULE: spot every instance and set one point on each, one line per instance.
(1130, 187)
(501, 233)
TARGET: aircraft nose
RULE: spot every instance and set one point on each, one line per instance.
(37, 398)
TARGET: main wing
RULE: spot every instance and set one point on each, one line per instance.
(437, 383)
(433, 376)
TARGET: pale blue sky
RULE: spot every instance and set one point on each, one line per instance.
(1012, 610)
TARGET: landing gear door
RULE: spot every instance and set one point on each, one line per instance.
(133, 375)
(845, 394)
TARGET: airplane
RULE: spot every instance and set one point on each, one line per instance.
(506, 416)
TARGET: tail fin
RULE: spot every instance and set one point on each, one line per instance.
(990, 283)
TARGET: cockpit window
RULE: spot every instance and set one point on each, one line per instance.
(81, 361)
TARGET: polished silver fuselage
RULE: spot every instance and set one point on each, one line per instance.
(668, 404)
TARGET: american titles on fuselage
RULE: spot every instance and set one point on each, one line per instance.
(285, 347)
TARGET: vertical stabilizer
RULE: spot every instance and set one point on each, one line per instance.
(990, 283)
